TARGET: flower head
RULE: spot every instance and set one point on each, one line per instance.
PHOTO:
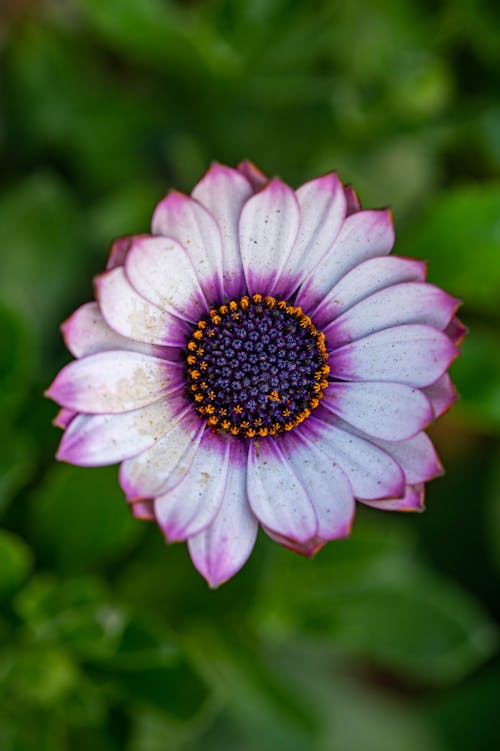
(259, 358)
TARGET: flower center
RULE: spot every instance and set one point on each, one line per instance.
(256, 366)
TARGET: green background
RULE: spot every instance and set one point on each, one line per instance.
(111, 641)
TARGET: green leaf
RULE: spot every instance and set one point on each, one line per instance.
(459, 235)
(477, 377)
(15, 562)
(392, 611)
(81, 517)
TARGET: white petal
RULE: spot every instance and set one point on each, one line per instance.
(268, 228)
(86, 332)
(322, 206)
(416, 457)
(115, 381)
(161, 467)
(192, 504)
(413, 354)
(96, 440)
(441, 394)
(224, 191)
(365, 279)
(224, 547)
(276, 496)
(364, 235)
(325, 483)
(410, 302)
(132, 316)
(370, 470)
(192, 226)
(253, 174)
(161, 271)
(391, 411)
(411, 500)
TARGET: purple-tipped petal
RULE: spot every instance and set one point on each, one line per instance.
(63, 418)
(414, 354)
(364, 235)
(224, 191)
(326, 485)
(353, 203)
(192, 505)
(225, 545)
(371, 472)
(118, 252)
(276, 496)
(268, 227)
(97, 440)
(456, 331)
(322, 206)
(253, 174)
(160, 468)
(144, 510)
(365, 279)
(412, 500)
(410, 302)
(307, 549)
(441, 394)
(114, 382)
(416, 456)
(132, 316)
(392, 411)
(86, 333)
(161, 271)
(189, 223)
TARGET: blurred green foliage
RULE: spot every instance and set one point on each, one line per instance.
(108, 639)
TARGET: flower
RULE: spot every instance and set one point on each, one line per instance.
(259, 358)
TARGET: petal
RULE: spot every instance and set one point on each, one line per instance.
(181, 218)
(118, 252)
(143, 510)
(97, 440)
(309, 548)
(220, 550)
(161, 271)
(391, 411)
(86, 332)
(63, 418)
(416, 456)
(410, 302)
(114, 382)
(326, 485)
(275, 494)
(365, 279)
(130, 315)
(268, 227)
(224, 191)
(364, 235)
(193, 503)
(370, 470)
(322, 206)
(412, 500)
(352, 200)
(253, 174)
(456, 331)
(413, 354)
(161, 467)
(441, 394)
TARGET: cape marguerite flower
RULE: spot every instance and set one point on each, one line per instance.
(259, 358)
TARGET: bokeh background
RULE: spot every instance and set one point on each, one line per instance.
(110, 640)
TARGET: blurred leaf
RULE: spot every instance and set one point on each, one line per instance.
(393, 612)
(477, 377)
(17, 464)
(493, 514)
(76, 613)
(15, 562)
(81, 517)
(460, 236)
(41, 254)
(17, 361)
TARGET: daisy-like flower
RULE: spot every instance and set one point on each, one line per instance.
(259, 358)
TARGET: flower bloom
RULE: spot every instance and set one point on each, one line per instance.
(259, 358)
